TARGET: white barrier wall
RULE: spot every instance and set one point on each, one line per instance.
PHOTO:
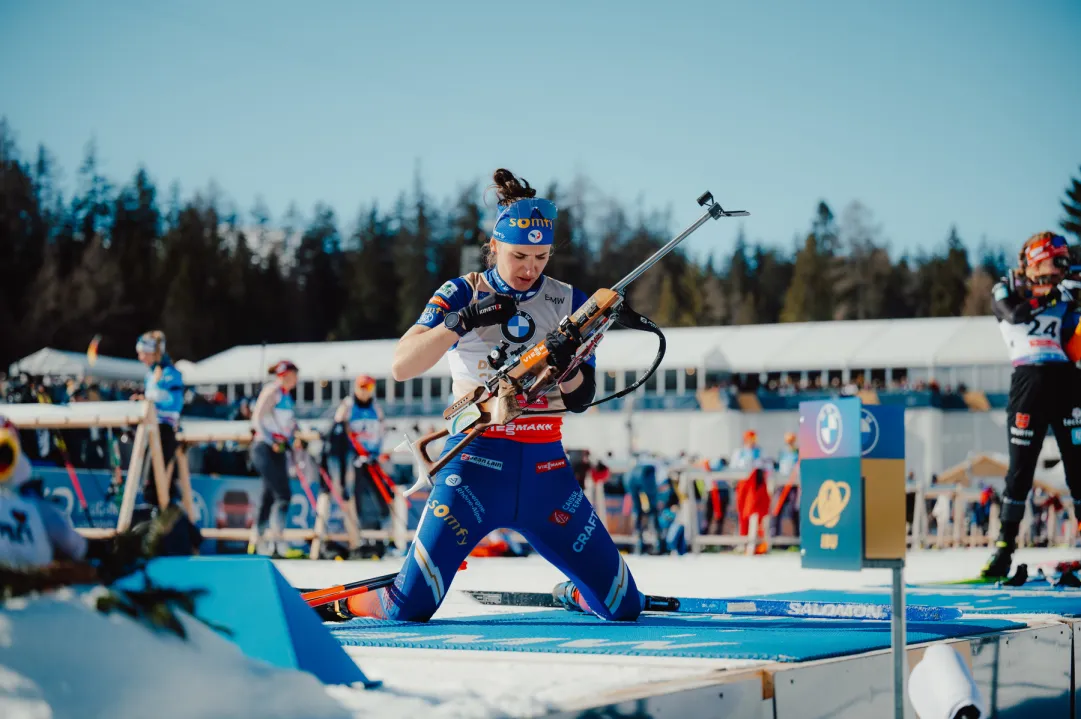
(934, 440)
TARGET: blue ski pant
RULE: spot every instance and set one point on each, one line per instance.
(498, 483)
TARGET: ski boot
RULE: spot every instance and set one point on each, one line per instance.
(1068, 579)
(998, 566)
(568, 596)
(336, 611)
(1019, 578)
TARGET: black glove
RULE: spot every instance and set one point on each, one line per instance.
(561, 350)
(492, 310)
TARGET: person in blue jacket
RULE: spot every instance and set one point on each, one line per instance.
(515, 476)
(164, 386)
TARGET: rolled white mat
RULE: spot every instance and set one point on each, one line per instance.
(941, 685)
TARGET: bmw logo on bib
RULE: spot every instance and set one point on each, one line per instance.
(520, 328)
(828, 428)
(869, 431)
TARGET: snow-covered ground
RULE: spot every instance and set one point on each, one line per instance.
(57, 654)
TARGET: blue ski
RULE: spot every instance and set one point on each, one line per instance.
(740, 607)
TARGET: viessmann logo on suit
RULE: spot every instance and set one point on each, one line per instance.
(551, 464)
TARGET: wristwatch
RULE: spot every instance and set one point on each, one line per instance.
(453, 322)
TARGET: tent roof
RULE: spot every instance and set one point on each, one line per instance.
(856, 344)
(51, 362)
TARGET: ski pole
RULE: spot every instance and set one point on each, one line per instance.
(75, 484)
(303, 480)
(318, 597)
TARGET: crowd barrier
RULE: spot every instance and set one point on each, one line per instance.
(941, 515)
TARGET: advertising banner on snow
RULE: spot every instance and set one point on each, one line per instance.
(219, 502)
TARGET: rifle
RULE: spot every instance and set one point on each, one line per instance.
(525, 374)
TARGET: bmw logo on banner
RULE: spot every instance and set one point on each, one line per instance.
(869, 431)
(828, 428)
(520, 328)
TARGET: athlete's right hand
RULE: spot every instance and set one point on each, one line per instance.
(492, 310)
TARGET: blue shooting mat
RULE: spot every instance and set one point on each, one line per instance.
(967, 598)
(559, 631)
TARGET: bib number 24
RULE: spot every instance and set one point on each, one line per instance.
(1047, 329)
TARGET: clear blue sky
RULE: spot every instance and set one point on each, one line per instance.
(930, 113)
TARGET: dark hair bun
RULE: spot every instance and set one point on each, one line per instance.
(510, 189)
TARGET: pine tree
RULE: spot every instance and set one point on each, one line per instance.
(950, 279)
(22, 243)
(136, 251)
(1072, 205)
(318, 277)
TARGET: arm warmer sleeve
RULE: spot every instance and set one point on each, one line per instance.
(577, 400)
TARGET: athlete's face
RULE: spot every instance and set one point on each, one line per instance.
(363, 392)
(1044, 275)
(518, 265)
(288, 380)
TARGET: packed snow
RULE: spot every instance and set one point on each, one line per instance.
(46, 673)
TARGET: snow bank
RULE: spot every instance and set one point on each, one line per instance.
(61, 658)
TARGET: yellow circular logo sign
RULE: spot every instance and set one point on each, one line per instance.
(829, 504)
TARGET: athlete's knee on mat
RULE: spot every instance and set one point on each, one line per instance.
(627, 610)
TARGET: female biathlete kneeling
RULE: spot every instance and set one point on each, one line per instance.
(515, 476)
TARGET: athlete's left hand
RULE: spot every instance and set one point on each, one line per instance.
(561, 350)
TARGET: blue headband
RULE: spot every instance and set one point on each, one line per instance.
(526, 222)
(148, 345)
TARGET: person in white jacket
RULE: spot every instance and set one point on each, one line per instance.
(33, 531)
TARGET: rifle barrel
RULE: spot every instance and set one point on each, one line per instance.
(652, 260)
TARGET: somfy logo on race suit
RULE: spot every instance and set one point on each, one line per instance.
(868, 431)
(829, 428)
(443, 512)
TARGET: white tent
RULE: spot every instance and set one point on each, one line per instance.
(933, 343)
(58, 363)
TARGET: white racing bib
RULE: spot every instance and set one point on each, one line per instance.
(1038, 341)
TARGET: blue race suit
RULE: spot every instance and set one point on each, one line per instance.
(359, 425)
(166, 391)
(163, 386)
(515, 476)
(643, 479)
